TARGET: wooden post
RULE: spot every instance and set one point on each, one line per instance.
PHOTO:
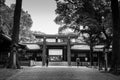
(106, 60)
(14, 58)
(64, 54)
(56, 39)
(99, 62)
(68, 52)
(44, 52)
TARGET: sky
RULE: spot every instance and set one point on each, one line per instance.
(42, 13)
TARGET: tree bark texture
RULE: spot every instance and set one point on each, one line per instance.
(91, 55)
(116, 35)
(91, 50)
(14, 63)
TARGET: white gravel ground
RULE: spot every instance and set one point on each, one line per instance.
(62, 73)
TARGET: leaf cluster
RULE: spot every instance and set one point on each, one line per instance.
(86, 13)
(6, 17)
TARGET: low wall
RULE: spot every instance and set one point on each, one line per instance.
(62, 63)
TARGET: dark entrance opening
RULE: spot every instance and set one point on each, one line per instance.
(55, 55)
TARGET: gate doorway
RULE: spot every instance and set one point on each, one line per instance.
(55, 55)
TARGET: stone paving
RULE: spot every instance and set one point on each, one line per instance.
(6, 73)
(62, 73)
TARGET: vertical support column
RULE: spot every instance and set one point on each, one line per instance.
(56, 39)
(106, 62)
(99, 62)
(68, 52)
(44, 52)
(13, 63)
(64, 54)
(14, 52)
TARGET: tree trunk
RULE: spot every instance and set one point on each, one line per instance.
(91, 55)
(14, 63)
(116, 33)
(91, 50)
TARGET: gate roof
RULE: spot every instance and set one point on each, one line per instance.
(55, 36)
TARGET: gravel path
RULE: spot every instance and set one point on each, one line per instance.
(62, 73)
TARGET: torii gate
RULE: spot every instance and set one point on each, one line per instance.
(67, 43)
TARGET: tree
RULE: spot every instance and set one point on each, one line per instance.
(116, 33)
(25, 25)
(77, 13)
(5, 18)
(6, 22)
(14, 63)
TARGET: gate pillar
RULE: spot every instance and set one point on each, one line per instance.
(44, 52)
(68, 52)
